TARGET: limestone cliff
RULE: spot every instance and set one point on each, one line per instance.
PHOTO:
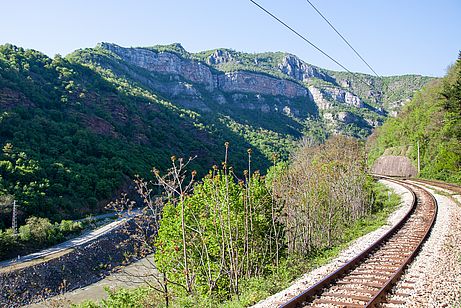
(269, 82)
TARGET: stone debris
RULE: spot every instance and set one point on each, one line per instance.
(82, 266)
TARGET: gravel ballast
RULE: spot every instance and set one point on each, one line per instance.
(434, 277)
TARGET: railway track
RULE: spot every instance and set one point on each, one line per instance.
(448, 186)
(366, 280)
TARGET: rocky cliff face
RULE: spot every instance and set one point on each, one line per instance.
(226, 77)
(197, 72)
(220, 57)
(300, 70)
(165, 63)
(324, 97)
(257, 83)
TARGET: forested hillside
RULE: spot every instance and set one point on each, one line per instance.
(72, 138)
(75, 130)
(433, 118)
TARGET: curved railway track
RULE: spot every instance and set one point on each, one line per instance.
(452, 187)
(366, 280)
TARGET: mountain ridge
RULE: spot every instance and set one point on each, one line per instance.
(90, 121)
(326, 88)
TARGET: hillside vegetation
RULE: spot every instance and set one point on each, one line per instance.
(75, 130)
(433, 118)
(72, 137)
(237, 238)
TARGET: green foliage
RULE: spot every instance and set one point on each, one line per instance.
(265, 63)
(89, 122)
(433, 118)
(35, 233)
(257, 288)
(37, 229)
(323, 190)
(125, 298)
(216, 208)
(83, 129)
(254, 289)
(8, 242)
(228, 237)
(384, 91)
(22, 179)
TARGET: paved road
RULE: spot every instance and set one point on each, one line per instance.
(80, 240)
(99, 217)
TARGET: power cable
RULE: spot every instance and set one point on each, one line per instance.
(309, 42)
(344, 39)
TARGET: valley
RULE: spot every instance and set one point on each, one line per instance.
(89, 122)
(277, 181)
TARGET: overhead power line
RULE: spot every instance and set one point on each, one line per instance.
(309, 42)
(344, 39)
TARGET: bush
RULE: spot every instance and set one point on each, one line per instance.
(69, 226)
(8, 243)
(41, 229)
(36, 233)
(24, 233)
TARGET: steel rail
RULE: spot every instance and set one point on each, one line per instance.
(389, 284)
(440, 184)
(311, 292)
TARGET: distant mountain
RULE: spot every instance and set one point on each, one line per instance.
(76, 129)
(266, 82)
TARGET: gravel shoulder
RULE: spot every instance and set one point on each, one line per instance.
(434, 277)
(354, 249)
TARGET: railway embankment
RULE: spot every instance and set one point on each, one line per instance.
(436, 271)
(68, 270)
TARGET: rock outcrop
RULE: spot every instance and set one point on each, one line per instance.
(300, 70)
(258, 83)
(229, 78)
(324, 98)
(198, 73)
(165, 63)
(394, 166)
(220, 56)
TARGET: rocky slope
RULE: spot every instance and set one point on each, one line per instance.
(268, 82)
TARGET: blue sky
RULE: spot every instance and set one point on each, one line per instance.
(394, 36)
